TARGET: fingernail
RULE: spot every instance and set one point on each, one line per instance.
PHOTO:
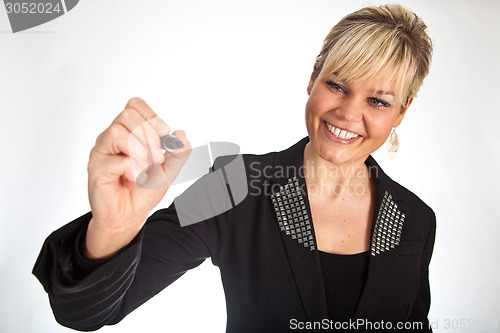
(164, 126)
(160, 158)
(160, 126)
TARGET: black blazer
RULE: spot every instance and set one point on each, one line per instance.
(266, 250)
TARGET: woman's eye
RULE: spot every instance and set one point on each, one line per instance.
(335, 86)
(378, 102)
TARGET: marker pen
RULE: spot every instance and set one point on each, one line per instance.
(171, 143)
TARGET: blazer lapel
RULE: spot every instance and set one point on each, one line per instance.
(387, 225)
(293, 215)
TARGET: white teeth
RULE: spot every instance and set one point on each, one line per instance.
(341, 134)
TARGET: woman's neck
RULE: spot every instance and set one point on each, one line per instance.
(330, 180)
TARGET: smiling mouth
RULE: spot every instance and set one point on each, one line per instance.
(340, 133)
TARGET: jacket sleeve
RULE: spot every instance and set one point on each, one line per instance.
(422, 303)
(86, 295)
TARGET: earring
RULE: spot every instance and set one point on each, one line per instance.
(393, 144)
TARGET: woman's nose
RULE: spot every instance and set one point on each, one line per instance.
(350, 109)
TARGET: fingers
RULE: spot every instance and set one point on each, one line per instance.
(176, 159)
(117, 140)
(159, 126)
(136, 134)
(161, 176)
(108, 168)
(135, 108)
(145, 125)
(139, 105)
(140, 122)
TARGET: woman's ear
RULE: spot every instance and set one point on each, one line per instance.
(402, 113)
(314, 76)
(310, 85)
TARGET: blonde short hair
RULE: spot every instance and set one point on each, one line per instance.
(386, 42)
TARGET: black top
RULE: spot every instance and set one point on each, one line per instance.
(344, 277)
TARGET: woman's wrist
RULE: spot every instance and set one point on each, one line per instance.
(100, 244)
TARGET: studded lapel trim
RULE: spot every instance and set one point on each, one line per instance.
(291, 213)
(293, 219)
(388, 226)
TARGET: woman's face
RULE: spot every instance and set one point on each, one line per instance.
(346, 122)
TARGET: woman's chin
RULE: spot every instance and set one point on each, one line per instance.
(335, 156)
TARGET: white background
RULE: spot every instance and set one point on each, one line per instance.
(237, 71)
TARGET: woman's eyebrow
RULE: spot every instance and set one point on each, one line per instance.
(384, 92)
(335, 76)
